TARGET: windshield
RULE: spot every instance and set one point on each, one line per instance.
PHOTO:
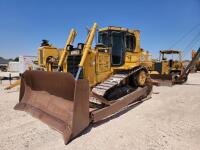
(175, 57)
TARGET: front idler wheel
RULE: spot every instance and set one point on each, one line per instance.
(141, 78)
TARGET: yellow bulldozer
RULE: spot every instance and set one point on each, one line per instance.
(169, 72)
(167, 67)
(99, 82)
(51, 58)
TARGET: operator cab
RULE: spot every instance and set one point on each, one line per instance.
(170, 55)
(120, 40)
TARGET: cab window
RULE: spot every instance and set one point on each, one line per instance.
(130, 42)
(104, 38)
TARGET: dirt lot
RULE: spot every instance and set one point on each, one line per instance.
(168, 121)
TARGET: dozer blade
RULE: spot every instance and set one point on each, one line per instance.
(162, 80)
(57, 99)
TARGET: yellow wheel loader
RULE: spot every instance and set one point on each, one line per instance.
(99, 82)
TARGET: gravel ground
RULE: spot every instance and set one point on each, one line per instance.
(170, 120)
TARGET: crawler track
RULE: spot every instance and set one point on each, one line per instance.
(114, 81)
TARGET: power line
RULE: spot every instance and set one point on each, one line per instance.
(194, 40)
(184, 36)
(191, 44)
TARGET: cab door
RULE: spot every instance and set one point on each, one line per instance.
(117, 52)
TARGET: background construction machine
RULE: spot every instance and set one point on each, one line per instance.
(177, 76)
(197, 64)
(185, 72)
(169, 64)
(114, 71)
(51, 58)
